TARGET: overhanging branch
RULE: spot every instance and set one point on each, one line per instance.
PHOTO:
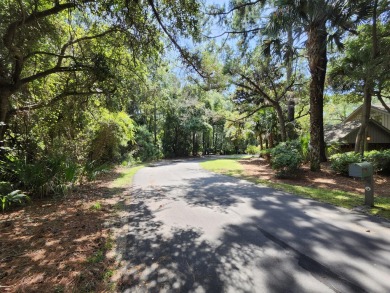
(234, 8)
(183, 53)
(53, 101)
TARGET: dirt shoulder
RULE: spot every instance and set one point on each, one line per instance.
(326, 179)
(59, 245)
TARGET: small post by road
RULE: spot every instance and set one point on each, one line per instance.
(365, 171)
(369, 191)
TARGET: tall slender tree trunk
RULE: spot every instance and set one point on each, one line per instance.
(361, 138)
(290, 101)
(316, 48)
(366, 110)
(261, 141)
(203, 143)
(155, 123)
(281, 120)
(194, 150)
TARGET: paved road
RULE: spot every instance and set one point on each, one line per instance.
(194, 231)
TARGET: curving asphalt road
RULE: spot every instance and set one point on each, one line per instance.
(190, 230)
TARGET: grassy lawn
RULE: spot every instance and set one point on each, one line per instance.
(231, 167)
(126, 176)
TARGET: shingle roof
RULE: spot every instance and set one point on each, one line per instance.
(336, 133)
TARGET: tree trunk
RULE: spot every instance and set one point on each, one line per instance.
(316, 48)
(261, 141)
(203, 144)
(366, 109)
(4, 107)
(271, 140)
(290, 97)
(155, 124)
(361, 138)
(194, 151)
(281, 120)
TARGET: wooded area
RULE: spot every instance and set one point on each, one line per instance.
(85, 84)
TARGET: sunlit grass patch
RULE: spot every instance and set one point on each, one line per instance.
(126, 177)
(339, 198)
(228, 166)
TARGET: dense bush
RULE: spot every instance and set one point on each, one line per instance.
(48, 175)
(379, 159)
(146, 150)
(340, 162)
(252, 150)
(286, 158)
(112, 133)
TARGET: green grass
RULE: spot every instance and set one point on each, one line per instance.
(96, 206)
(229, 166)
(340, 198)
(99, 256)
(126, 177)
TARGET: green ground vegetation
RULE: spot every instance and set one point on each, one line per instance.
(348, 200)
(125, 176)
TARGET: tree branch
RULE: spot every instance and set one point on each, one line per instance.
(255, 111)
(234, 8)
(380, 98)
(11, 29)
(31, 54)
(260, 90)
(52, 101)
(183, 53)
(286, 89)
(233, 32)
(50, 71)
(65, 46)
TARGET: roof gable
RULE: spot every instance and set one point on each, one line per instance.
(374, 108)
(346, 132)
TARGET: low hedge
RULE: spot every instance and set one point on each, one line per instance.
(379, 159)
(340, 162)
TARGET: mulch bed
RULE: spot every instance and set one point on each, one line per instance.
(325, 178)
(52, 245)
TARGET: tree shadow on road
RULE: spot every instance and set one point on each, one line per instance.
(282, 241)
(155, 263)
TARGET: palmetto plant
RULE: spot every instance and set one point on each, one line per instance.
(13, 197)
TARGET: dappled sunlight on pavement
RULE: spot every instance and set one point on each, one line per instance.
(191, 230)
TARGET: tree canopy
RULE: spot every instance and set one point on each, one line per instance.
(89, 83)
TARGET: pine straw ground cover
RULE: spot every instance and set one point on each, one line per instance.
(59, 245)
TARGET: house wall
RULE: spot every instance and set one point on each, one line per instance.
(376, 134)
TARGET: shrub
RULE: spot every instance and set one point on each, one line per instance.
(340, 162)
(286, 158)
(113, 132)
(50, 175)
(304, 141)
(379, 159)
(13, 197)
(146, 150)
(332, 149)
(252, 150)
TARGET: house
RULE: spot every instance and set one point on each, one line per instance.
(378, 113)
(344, 134)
